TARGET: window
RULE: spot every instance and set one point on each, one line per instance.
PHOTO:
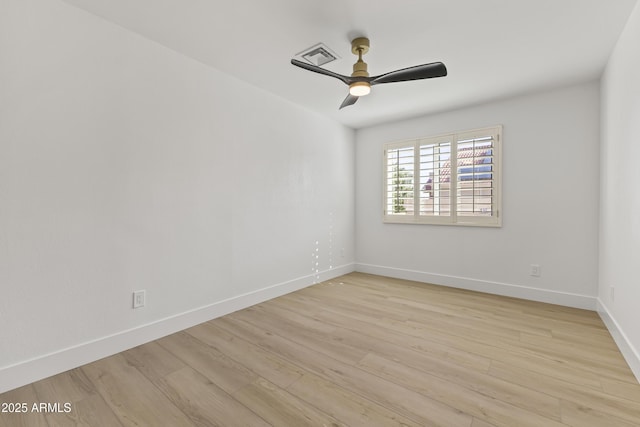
(447, 179)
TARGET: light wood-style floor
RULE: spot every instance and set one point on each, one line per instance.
(360, 350)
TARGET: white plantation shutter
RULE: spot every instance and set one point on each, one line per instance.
(399, 181)
(447, 179)
(478, 177)
(475, 184)
(435, 191)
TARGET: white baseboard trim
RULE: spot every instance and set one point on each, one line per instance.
(630, 353)
(497, 288)
(41, 367)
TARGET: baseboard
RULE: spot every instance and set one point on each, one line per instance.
(35, 369)
(497, 288)
(630, 353)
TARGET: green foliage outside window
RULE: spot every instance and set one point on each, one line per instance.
(402, 188)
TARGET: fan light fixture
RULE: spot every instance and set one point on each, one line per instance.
(359, 88)
(360, 82)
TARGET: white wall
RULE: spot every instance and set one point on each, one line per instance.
(550, 203)
(620, 193)
(124, 166)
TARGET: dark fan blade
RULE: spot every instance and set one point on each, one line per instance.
(349, 100)
(345, 79)
(418, 72)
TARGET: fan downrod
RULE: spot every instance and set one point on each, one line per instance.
(360, 46)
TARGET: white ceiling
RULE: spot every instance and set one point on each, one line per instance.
(492, 48)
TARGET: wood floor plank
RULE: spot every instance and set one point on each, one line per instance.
(474, 341)
(584, 354)
(281, 408)
(498, 412)
(133, 398)
(358, 350)
(18, 410)
(472, 317)
(585, 396)
(197, 396)
(386, 393)
(477, 422)
(501, 351)
(344, 301)
(87, 407)
(226, 373)
(344, 405)
(302, 320)
(623, 389)
(545, 315)
(382, 341)
(491, 351)
(320, 342)
(596, 339)
(205, 403)
(153, 361)
(73, 385)
(374, 331)
(91, 411)
(473, 380)
(577, 415)
(264, 363)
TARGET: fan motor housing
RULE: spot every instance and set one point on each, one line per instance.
(360, 46)
(360, 69)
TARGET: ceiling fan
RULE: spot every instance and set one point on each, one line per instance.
(359, 81)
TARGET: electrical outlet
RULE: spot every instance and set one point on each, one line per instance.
(535, 270)
(138, 299)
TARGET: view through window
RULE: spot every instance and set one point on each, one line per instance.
(446, 179)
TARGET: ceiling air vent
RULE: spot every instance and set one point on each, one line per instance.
(317, 55)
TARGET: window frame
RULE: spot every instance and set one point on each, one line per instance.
(495, 220)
